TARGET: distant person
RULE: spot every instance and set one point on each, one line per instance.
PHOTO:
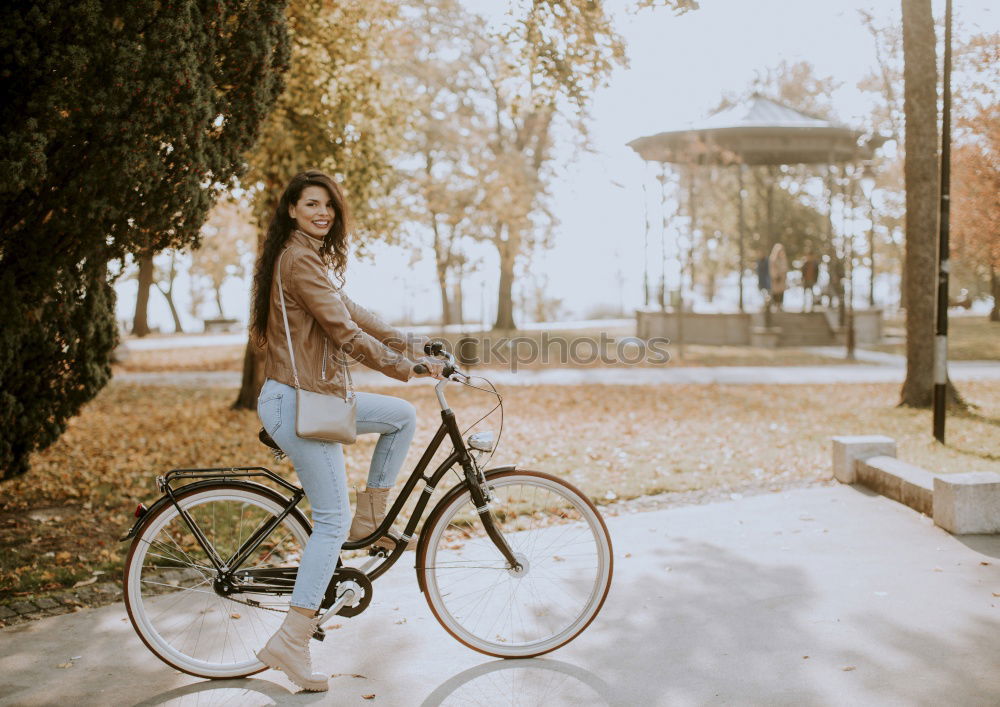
(837, 280)
(832, 292)
(764, 279)
(810, 276)
(777, 264)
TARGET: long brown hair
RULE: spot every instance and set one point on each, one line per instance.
(333, 251)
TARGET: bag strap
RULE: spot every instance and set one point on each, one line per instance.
(349, 392)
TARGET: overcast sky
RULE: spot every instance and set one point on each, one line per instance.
(679, 68)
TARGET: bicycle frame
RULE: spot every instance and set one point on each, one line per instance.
(460, 455)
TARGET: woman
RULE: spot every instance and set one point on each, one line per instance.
(306, 238)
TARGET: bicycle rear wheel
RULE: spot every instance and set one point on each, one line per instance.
(170, 582)
(557, 536)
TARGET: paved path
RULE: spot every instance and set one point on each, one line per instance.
(196, 340)
(732, 375)
(822, 596)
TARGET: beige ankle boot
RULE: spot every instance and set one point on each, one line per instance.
(288, 651)
(370, 512)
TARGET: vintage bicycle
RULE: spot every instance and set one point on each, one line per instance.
(513, 563)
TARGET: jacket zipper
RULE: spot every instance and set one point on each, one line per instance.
(322, 374)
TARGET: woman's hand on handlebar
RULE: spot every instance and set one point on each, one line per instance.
(431, 367)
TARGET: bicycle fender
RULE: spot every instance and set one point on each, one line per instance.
(165, 500)
(439, 508)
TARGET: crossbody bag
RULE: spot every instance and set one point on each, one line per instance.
(330, 418)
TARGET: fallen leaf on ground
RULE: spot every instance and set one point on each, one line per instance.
(85, 582)
(65, 665)
(234, 615)
(115, 452)
(847, 668)
(368, 697)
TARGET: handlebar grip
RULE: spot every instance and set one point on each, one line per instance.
(433, 348)
(448, 370)
(420, 368)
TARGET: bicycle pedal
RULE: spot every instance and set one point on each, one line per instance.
(319, 634)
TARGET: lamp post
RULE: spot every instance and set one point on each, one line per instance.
(848, 286)
(941, 320)
(868, 188)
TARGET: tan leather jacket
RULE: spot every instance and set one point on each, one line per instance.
(326, 324)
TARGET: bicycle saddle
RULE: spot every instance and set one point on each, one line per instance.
(265, 438)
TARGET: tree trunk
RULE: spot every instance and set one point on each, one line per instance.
(253, 377)
(140, 322)
(168, 295)
(218, 301)
(457, 306)
(446, 308)
(253, 355)
(995, 289)
(922, 198)
(505, 299)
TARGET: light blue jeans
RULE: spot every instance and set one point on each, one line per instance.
(323, 475)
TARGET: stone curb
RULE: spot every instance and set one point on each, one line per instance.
(61, 602)
(962, 503)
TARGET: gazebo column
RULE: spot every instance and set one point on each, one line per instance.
(663, 237)
(742, 228)
(645, 240)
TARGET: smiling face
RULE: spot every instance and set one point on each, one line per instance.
(313, 213)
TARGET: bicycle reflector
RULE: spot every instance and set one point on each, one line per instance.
(141, 510)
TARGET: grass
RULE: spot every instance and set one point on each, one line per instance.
(969, 339)
(60, 522)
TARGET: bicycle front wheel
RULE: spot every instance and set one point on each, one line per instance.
(170, 583)
(558, 538)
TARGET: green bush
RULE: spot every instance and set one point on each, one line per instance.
(122, 122)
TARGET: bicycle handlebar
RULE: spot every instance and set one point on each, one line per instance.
(437, 350)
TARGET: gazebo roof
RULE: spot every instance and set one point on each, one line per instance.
(757, 132)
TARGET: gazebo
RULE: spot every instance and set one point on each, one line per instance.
(759, 131)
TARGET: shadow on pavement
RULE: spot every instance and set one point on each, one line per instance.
(535, 681)
(702, 625)
(712, 627)
(988, 545)
(246, 692)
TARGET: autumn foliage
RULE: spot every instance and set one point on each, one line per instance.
(975, 210)
(61, 523)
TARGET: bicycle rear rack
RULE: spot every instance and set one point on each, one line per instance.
(233, 472)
